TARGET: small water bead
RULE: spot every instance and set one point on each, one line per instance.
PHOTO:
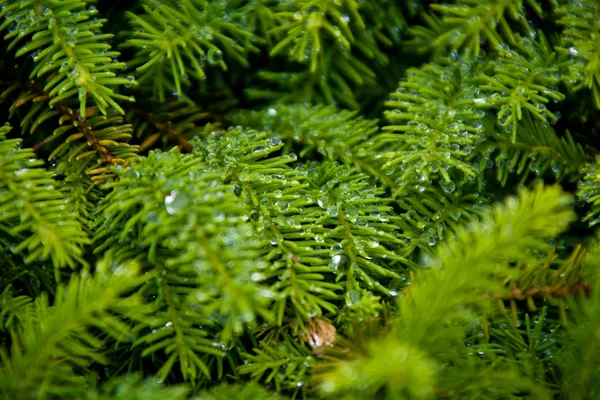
(323, 202)
(339, 262)
(397, 284)
(277, 194)
(354, 296)
(275, 142)
(361, 223)
(449, 186)
(352, 214)
(337, 248)
(130, 80)
(72, 28)
(373, 243)
(333, 211)
(260, 148)
(556, 167)
(176, 201)
(383, 217)
(389, 170)
(282, 205)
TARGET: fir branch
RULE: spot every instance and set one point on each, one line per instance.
(57, 340)
(434, 127)
(182, 222)
(468, 23)
(588, 190)
(35, 212)
(105, 146)
(66, 46)
(338, 231)
(537, 150)
(15, 310)
(578, 359)
(523, 79)
(581, 44)
(248, 391)
(287, 365)
(133, 387)
(197, 31)
(430, 315)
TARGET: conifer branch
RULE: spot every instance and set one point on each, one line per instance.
(67, 49)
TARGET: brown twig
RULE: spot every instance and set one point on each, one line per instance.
(166, 129)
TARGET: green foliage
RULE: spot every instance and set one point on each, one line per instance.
(589, 191)
(434, 125)
(36, 221)
(581, 42)
(522, 80)
(577, 358)
(206, 272)
(305, 199)
(250, 391)
(469, 23)
(340, 43)
(293, 358)
(133, 387)
(67, 48)
(170, 55)
(438, 310)
(53, 341)
(537, 150)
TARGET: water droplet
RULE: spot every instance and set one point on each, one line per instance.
(373, 243)
(339, 262)
(275, 141)
(257, 276)
(333, 211)
(362, 223)
(176, 201)
(277, 194)
(449, 186)
(323, 202)
(337, 248)
(282, 205)
(354, 296)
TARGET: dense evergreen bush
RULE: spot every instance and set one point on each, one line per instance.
(263, 199)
